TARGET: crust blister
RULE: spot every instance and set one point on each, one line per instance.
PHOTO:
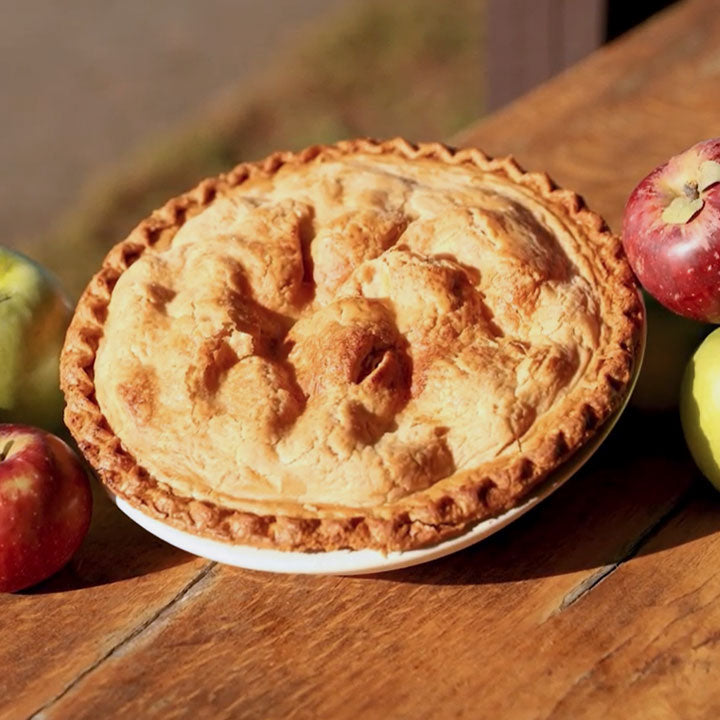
(422, 519)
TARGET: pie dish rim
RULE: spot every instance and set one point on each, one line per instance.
(366, 561)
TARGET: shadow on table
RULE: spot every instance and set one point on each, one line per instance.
(639, 494)
(115, 549)
(628, 500)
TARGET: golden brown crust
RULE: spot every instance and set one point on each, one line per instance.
(444, 509)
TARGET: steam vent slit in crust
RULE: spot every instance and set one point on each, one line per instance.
(366, 345)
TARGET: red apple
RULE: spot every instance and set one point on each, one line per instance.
(671, 232)
(45, 505)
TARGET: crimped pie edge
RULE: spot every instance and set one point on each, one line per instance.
(435, 516)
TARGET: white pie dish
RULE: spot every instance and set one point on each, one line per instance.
(359, 562)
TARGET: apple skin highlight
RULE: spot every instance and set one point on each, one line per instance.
(678, 262)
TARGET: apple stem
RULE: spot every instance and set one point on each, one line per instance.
(691, 190)
(6, 450)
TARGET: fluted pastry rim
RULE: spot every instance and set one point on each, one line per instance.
(429, 516)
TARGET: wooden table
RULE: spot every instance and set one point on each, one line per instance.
(603, 602)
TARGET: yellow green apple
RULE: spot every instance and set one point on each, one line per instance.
(34, 315)
(700, 407)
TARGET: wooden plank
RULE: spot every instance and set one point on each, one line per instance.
(526, 43)
(652, 648)
(121, 578)
(604, 124)
(439, 640)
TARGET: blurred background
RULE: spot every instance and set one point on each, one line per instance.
(109, 108)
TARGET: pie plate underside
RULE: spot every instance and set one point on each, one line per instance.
(359, 562)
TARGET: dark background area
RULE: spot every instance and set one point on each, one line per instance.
(623, 15)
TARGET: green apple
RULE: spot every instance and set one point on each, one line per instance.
(700, 407)
(34, 315)
(671, 341)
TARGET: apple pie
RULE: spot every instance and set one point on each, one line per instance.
(364, 345)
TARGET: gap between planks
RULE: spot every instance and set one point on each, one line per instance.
(161, 614)
(570, 598)
(586, 585)
(597, 577)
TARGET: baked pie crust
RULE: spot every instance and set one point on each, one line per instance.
(364, 345)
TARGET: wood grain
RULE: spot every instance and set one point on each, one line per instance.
(602, 125)
(601, 602)
(405, 644)
(118, 582)
(651, 647)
